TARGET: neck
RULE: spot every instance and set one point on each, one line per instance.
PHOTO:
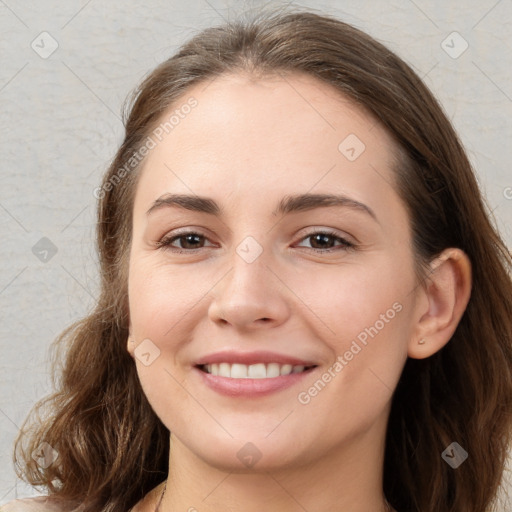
(348, 479)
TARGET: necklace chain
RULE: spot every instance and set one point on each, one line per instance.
(388, 505)
(161, 497)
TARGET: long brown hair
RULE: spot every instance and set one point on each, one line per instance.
(112, 447)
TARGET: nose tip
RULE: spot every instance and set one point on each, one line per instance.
(249, 294)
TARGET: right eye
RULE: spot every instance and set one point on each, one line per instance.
(189, 241)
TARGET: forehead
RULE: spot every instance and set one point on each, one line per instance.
(248, 137)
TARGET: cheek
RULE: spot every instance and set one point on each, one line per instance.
(160, 296)
(350, 300)
(159, 301)
(365, 316)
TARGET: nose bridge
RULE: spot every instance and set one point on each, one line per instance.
(249, 273)
(249, 291)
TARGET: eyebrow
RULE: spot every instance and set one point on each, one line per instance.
(288, 204)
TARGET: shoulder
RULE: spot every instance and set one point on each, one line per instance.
(37, 504)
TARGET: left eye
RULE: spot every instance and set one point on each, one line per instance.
(190, 241)
(322, 238)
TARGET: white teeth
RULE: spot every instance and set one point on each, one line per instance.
(286, 369)
(253, 371)
(256, 371)
(273, 370)
(238, 371)
(224, 370)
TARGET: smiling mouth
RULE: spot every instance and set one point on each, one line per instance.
(253, 371)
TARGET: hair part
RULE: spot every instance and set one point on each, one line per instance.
(112, 447)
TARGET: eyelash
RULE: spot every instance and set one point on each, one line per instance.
(165, 242)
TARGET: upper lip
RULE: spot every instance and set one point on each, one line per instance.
(249, 358)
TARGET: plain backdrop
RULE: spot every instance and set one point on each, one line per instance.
(66, 68)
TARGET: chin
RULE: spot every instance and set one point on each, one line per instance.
(246, 457)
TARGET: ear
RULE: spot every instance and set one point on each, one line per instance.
(444, 297)
(130, 341)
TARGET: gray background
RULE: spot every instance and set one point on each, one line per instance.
(60, 126)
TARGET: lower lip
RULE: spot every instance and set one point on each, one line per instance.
(251, 387)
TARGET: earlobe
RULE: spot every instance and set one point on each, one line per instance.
(131, 341)
(447, 291)
(131, 346)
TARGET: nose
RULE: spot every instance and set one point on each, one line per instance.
(251, 295)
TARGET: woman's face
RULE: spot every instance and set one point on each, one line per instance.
(257, 274)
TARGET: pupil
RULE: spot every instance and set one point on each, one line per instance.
(190, 239)
(321, 237)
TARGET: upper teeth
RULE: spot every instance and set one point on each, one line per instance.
(253, 371)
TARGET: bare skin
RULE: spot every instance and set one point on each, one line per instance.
(247, 145)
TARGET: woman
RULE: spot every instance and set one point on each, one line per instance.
(304, 305)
